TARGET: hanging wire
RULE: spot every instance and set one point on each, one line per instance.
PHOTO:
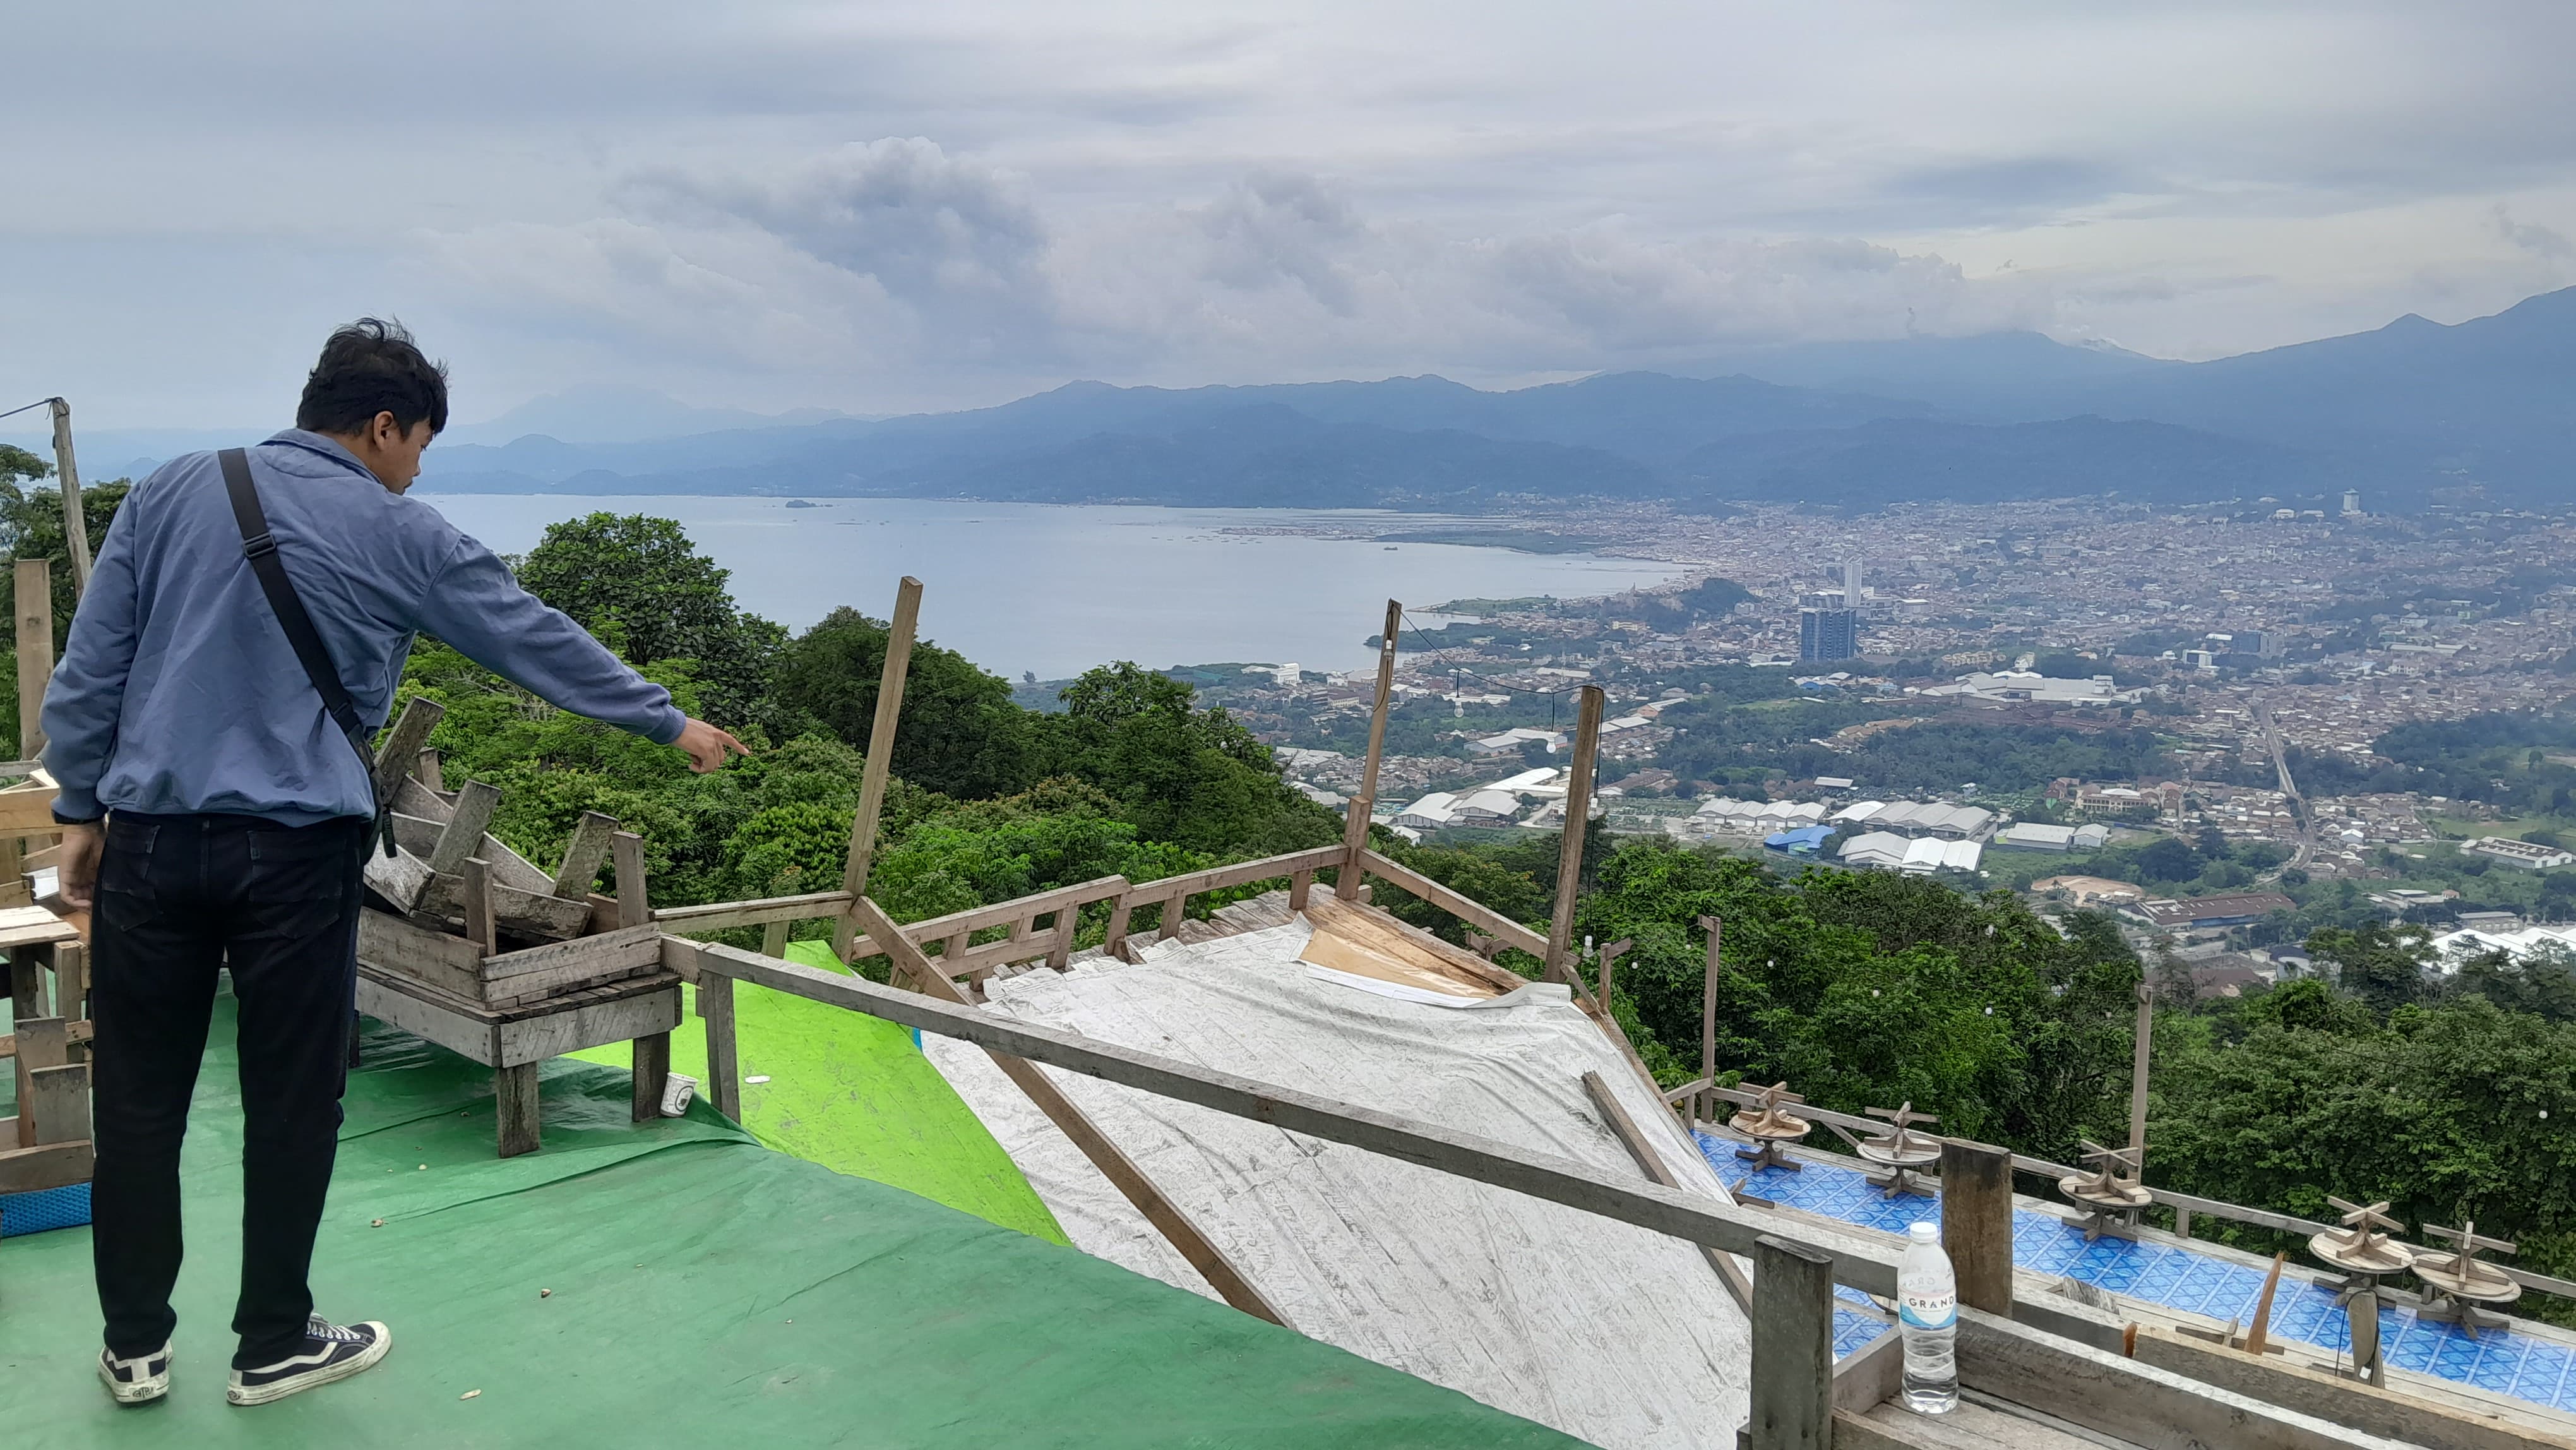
(31, 407)
(1440, 660)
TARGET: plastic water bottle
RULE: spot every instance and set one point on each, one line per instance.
(1927, 1314)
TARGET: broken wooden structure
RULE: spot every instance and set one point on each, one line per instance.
(2109, 1193)
(466, 943)
(2461, 1286)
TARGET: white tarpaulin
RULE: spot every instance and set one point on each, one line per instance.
(1608, 1332)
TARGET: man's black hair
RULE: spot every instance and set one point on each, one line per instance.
(370, 367)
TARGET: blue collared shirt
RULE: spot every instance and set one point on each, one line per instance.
(178, 691)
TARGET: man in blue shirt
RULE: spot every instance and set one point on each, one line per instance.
(214, 816)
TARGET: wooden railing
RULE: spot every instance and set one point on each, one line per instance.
(1799, 1395)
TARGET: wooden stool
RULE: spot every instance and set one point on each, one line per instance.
(1771, 1127)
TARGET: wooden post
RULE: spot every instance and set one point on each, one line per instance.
(1977, 1223)
(514, 1093)
(582, 855)
(1793, 1347)
(1715, 927)
(427, 770)
(652, 1052)
(2138, 1076)
(1299, 884)
(724, 1074)
(2254, 1336)
(478, 905)
(872, 781)
(1609, 957)
(1355, 823)
(75, 523)
(1569, 850)
(1105, 1155)
(35, 587)
(462, 836)
(773, 939)
(1729, 1272)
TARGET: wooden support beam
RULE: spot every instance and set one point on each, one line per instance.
(880, 762)
(1467, 909)
(42, 1042)
(1871, 1374)
(2139, 1051)
(1977, 1224)
(1569, 848)
(1793, 1347)
(773, 939)
(2333, 1397)
(514, 1096)
(463, 833)
(652, 1053)
(35, 589)
(1716, 928)
(724, 1069)
(1651, 1163)
(428, 771)
(1864, 1262)
(479, 928)
(1105, 1155)
(582, 855)
(58, 1101)
(634, 896)
(1363, 802)
(67, 479)
(1609, 957)
(403, 744)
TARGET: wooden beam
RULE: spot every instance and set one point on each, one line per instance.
(1864, 1262)
(1977, 1224)
(58, 1101)
(773, 938)
(35, 588)
(1166, 1216)
(716, 916)
(880, 762)
(724, 1070)
(427, 770)
(1363, 802)
(479, 928)
(403, 744)
(514, 1099)
(1467, 909)
(464, 830)
(1569, 847)
(1793, 1347)
(1871, 1374)
(67, 479)
(2327, 1396)
(652, 1054)
(1606, 959)
(582, 855)
(43, 1042)
(634, 896)
(1651, 1163)
(54, 1165)
(1716, 928)
(2139, 1051)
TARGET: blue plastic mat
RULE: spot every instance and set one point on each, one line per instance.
(33, 1213)
(2187, 1279)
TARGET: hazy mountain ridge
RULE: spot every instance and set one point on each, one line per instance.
(2400, 412)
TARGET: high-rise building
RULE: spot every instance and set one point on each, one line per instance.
(2352, 503)
(1851, 582)
(1826, 635)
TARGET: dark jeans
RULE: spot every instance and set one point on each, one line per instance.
(178, 898)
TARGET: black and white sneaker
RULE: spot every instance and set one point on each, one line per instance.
(136, 1381)
(331, 1352)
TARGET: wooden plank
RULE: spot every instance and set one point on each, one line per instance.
(43, 1042)
(723, 914)
(880, 760)
(1363, 802)
(1716, 929)
(649, 1005)
(1871, 1374)
(538, 913)
(28, 809)
(1167, 1217)
(1793, 1347)
(582, 855)
(74, 1033)
(1864, 1262)
(724, 1074)
(391, 944)
(58, 1100)
(1976, 1222)
(2344, 1401)
(53, 1165)
(401, 880)
(514, 1100)
(1972, 1426)
(634, 891)
(26, 985)
(652, 1072)
(463, 833)
(35, 589)
(2136, 1402)
(1569, 851)
(2263, 1306)
(628, 946)
(773, 939)
(1651, 1163)
(1241, 873)
(414, 799)
(477, 905)
(428, 770)
(402, 744)
(1370, 927)
(532, 988)
(1301, 884)
(389, 1004)
(1474, 913)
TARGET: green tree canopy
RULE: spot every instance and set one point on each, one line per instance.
(961, 734)
(640, 581)
(1195, 778)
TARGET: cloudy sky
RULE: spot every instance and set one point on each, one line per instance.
(880, 208)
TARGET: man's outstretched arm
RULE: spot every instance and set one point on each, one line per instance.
(476, 607)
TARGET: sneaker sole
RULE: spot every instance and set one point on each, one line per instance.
(135, 1394)
(315, 1378)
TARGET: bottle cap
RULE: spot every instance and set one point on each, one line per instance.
(1924, 1233)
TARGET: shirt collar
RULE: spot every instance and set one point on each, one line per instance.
(316, 443)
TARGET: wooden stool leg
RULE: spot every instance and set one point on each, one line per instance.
(514, 1092)
(652, 1069)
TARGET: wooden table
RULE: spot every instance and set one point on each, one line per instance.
(515, 1041)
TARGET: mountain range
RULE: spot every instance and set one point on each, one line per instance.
(2481, 414)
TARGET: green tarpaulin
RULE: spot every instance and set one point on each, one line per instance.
(706, 1291)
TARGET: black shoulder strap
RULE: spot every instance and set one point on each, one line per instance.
(260, 548)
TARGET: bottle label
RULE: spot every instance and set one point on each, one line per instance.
(1928, 1311)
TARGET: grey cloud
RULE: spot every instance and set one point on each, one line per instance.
(2540, 241)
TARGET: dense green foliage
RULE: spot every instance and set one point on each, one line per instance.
(639, 581)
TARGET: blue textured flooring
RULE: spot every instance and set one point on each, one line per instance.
(2181, 1278)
